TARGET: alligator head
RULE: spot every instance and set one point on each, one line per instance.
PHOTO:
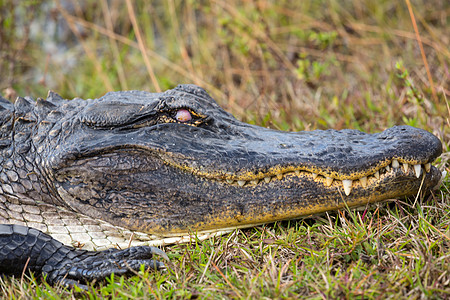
(175, 162)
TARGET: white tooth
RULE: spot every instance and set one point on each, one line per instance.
(267, 179)
(388, 168)
(405, 167)
(314, 175)
(255, 181)
(428, 167)
(329, 181)
(297, 172)
(363, 181)
(280, 176)
(241, 182)
(443, 175)
(395, 164)
(347, 186)
(230, 181)
(377, 175)
(417, 169)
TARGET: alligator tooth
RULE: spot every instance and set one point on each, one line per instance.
(267, 179)
(347, 186)
(363, 181)
(280, 176)
(377, 175)
(241, 182)
(417, 169)
(388, 168)
(255, 182)
(443, 175)
(428, 167)
(405, 167)
(395, 164)
(230, 181)
(329, 181)
(314, 175)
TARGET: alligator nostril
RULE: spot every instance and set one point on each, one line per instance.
(285, 146)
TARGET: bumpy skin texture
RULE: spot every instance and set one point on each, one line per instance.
(23, 248)
(174, 163)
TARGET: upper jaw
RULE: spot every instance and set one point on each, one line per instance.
(341, 155)
(243, 154)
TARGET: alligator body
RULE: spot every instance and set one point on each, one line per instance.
(131, 168)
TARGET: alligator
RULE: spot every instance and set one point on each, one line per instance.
(139, 169)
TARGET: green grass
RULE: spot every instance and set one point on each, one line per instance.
(290, 65)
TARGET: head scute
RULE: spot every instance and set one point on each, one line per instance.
(193, 89)
(5, 104)
(6, 122)
(44, 107)
(23, 106)
(43, 104)
(52, 96)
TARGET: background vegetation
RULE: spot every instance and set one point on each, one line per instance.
(290, 65)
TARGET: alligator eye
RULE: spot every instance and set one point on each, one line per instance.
(183, 115)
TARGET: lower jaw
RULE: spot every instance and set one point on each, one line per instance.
(310, 199)
(183, 237)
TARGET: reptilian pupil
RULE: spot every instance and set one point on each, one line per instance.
(183, 115)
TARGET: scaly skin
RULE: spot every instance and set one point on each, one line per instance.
(162, 166)
(22, 246)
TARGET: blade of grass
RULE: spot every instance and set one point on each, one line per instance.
(142, 47)
(448, 108)
(422, 52)
(182, 47)
(257, 33)
(113, 44)
(226, 280)
(88, 50)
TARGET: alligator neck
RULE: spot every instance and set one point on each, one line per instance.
(21, 179)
